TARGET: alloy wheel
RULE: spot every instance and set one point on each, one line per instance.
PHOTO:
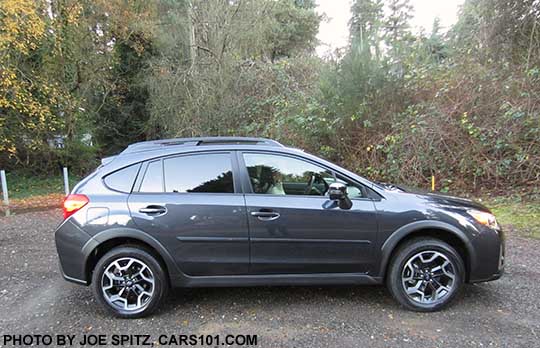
(128, 284)
(428, 277)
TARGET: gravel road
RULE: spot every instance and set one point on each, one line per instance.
(34, 299)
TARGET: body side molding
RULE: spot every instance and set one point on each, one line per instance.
(278, 280)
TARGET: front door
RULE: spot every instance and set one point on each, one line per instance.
(295, 228)
(190, 205)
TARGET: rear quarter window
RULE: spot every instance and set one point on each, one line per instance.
(122, 180)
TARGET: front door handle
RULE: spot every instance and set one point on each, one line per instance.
(265, 215)
(153, 210)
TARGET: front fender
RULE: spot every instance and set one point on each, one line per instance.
(414, 227)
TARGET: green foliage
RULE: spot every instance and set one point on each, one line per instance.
(427, 106)
(79, 157)
(124, 115)
(33, 104)
(393, 105)
(292, 30)
(514, 213)
(240, 67)
(23, 185)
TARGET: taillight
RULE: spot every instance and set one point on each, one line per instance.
(72, 203)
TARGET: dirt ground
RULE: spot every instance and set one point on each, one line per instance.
(35, 299)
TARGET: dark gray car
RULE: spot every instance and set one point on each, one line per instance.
(205, 212)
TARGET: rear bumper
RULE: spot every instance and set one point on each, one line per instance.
(73, 280)
(494, 276)
(70, 245)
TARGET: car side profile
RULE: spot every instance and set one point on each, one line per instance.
(232, 211)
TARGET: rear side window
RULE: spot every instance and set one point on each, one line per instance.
(210, 173)
(122, 180)
(153, 178)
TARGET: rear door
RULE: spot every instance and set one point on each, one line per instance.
(192, 204)
(295, 228)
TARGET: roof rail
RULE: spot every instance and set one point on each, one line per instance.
(153, 144)
(237, 140)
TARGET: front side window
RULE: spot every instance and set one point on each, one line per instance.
(210, 173)
(283, 175)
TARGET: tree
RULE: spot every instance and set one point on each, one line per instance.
(500, 29)
(124, 32)
(32, 103)
(397, 35)
(365, 27)
(125, 114)
(293, 28)
(237, 49)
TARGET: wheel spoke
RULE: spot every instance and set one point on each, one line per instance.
(141, 274)
(448, 270)
(116, 298)
(414, 289)
(117, 266)
(113, 277)
(436, 269)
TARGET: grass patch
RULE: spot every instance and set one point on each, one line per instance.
(524, 216)
(24, 186)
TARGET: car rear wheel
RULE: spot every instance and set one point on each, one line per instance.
(425, 274)
(129, 282)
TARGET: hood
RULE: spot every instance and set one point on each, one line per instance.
(440, 199)
(452, 201)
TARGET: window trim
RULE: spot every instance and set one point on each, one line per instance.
(143, 172)
(248, 189)
(234, 169)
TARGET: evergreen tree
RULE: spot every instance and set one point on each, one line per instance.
(365, 26)
(397, 34)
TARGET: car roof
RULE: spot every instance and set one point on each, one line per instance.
(146, 150)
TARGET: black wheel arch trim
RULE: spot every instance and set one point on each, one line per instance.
(403, 232)
(126, 232)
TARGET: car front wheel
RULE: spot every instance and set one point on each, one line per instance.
(425, 274)
(129, 282)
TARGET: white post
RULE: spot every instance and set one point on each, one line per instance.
(66, 181)
(4, 186)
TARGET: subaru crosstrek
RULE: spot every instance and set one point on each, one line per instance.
(227, 211)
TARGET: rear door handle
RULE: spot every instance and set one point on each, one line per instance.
(265, 215)
(153, 210)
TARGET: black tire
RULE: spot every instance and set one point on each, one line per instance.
(397, 271)
(160, 283)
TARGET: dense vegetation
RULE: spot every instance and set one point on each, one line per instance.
(395, 105)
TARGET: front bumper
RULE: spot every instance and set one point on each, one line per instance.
(493, 253)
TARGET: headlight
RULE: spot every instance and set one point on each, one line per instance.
(484, 218)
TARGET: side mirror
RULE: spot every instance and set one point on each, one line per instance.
(338, 193)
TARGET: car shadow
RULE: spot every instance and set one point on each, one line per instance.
(291, 297)
(224, 300)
